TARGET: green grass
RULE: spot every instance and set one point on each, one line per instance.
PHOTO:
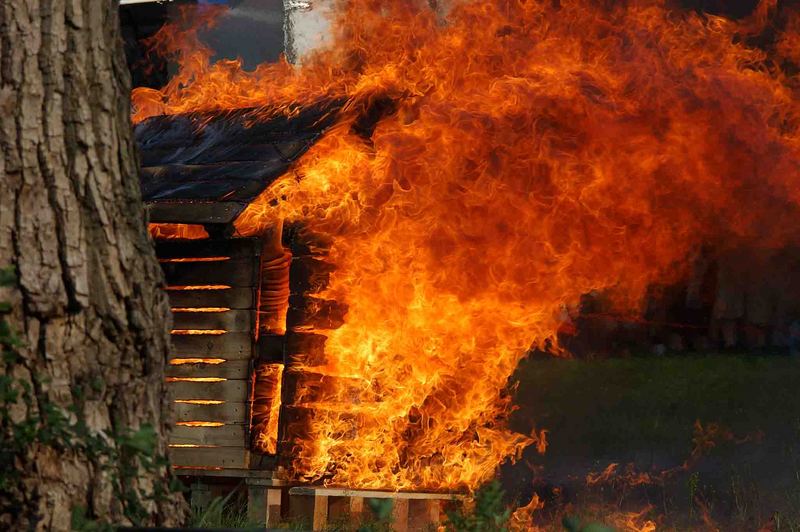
(643, 411)
(607, 407)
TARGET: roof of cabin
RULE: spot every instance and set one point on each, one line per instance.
(201, 168)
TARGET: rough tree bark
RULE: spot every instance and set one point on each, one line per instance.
(87, 301)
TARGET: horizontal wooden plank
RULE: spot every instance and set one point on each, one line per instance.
(253, 477)
(234, 248)
(228, 435)
(231, 320)
(372, 494)
(229, 390)
(241, 272)
(309, 388)
(233, 298)
(194, 212)
(230, 369)
(304, 242)
(230, 346)
(271, 348)
(317, 313)
(309, 275)
(232, 412)
(232, 457)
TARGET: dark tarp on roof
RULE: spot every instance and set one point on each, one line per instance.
(201, 168)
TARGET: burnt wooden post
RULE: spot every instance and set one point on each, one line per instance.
(264, 502)
(400, 515)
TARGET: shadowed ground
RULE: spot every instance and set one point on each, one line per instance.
(645, 412)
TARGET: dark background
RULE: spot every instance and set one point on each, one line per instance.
(253, 30)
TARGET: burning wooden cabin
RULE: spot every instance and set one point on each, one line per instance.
(229, 294)
(243, 307)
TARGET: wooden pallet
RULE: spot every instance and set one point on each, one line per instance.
(411, 512)
(265, 492)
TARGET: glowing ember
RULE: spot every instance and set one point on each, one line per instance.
(195, 379)
(199, 402)
(177, 232)
(195, 259)
(189, 332)
(191, 446)
(198, 468)
(199, 424)
(181, 361)
(200, 309)
(533, 152)
(266, 407)
(274, 300)
(199, 287)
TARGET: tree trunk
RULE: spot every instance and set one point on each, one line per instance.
(87, 302)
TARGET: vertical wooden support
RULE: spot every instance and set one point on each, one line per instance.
(400, 515)
(356, 508)
(274, 503)
(423, 515)
(257, 509)
(263, 504)
(320, 512)
(200, 495)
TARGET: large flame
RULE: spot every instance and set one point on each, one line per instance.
(532, 152)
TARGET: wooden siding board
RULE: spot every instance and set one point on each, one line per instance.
(230, 390)
(235, 248)
(228, 457)
(229, 435)
(230, 369)
(233, 298)
(228, 412)
(230, 346)
(231, 320)
(241, 272)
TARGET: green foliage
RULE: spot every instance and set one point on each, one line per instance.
(610, 407)
(82, 523)
(123, 454)
(382, 516)
(489, 514)
(693, 486)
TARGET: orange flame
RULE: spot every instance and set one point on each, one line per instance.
(181, 361)
(522, 518)
(199, 402)
(200, 423)
(629, 478)
(195, 259)
(533, 152)
(199, 287)
(274, 296)
(198, 332)
(195, 379)
(177, 231)
(198, 468)
(633, 521)
(200, 309)
(266, 407)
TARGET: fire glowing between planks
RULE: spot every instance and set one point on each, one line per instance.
(493, 162)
